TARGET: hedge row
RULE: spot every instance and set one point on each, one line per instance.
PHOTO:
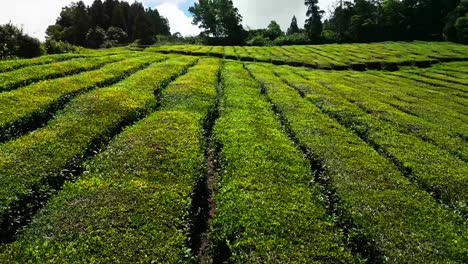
(450, 100)
(389, 214)
(31, 165)
(134, 199)
(8, 65)
(268, 207)
(459, 76)
(376, 97)
(437, 84)
(387, 55)
(453, 67)
(434, 169)
(14, 79)
(29, 107)
(441, 77)
(439, 115)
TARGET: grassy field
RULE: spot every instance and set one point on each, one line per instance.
(351, 153)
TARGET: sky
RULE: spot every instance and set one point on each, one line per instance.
(35, 15)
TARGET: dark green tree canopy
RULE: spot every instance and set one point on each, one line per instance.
(381, 20)
(273, 30)
(219, 19)
(136, 22)
(15, 43)
(313, 24)
(293, 28)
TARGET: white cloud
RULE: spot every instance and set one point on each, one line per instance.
(178, 20)
(258, 14)
(35, 15)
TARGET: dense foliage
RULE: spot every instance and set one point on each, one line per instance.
(14, 43)
(350, 21)
(220, 20)
(118, 156)
(107, 23)
(378, 20)
(313, 24)
(384, 55)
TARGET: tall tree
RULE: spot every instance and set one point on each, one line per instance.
(97, 14)
(293, 28)
(72, 25)
(273, 31)
(313, 23)
(219, 19)
(77, 20)
(450, 30)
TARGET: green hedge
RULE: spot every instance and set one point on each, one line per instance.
(268, 207)
(385, 55)
(452, 100)
(438, 172)
(8, 65)
(388, 213)
(14, 79)
(31, 165)
(438, 85)
(29, 107)
(135, 196)
(439, 115)
(376, 97)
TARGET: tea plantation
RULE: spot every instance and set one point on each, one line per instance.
(343, 153)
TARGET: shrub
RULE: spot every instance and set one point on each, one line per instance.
(95, 37)
(14, 43)
(259, 40)
(57, 47)
(461, 25)
(293, 39)
(115, 35)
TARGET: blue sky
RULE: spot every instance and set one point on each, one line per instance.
(256, 13)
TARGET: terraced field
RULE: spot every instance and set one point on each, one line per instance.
(153, 157)
(386, 55)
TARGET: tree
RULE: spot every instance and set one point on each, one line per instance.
(293, 28)
(77, 20)
(160, 24)
(313, 23)
(13, 42)
(461, 25)
(273, 31)
(95, 37)
(450, 30)
(116, 35)
(97, 14)
(219, 19)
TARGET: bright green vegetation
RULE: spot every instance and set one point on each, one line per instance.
(452, 100)
(33, 163)
(135, 195)
(8, 65)
(387, 55)
(118, 156)
(29, 107)
(14, 79)
(403, 223)
(264, 176)
(436, 170)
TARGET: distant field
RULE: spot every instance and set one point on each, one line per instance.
(236, 155)
(386, 55)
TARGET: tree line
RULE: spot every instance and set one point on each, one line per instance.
(108, 23)
(113, 22)
(349, 21)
